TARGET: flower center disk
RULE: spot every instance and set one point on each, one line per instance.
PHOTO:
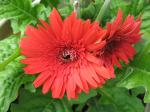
(67, 55)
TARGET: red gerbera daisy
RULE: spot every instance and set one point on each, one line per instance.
(120, 38)
(59, 52)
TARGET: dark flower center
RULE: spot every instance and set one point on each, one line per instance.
(68, 55)
(109, 48)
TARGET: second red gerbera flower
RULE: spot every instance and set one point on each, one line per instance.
(120, 38)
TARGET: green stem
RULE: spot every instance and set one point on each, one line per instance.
(66, 105)
(147, 108)
(103, 10)
(11, 58)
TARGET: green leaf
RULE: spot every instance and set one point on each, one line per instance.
(52, 3)
(65, 11)
(16, 9)
(7, 47)
(10, 81)
(92, 10)
(137, 74)
(103, 10)
(30, 102)
(12, 77)
(137, 91)
(29, 86)
(121, 100)
(116, 4)
(101, 108)
(85, 3)
(21, 13)
(134, 7)
(83, 97)
(37, 102)
(146, 22)
(114, 99)
(111, 98)
(19, 24)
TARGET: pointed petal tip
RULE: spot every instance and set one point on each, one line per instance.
(73, 14)
(54, 12)
(54, 9)
(26, 71)
(35, 84)
(29, 28)
(120, 12)
(44, 91)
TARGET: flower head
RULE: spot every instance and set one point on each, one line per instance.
(120, 38)
(60, 53)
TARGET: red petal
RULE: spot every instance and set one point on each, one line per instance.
(41, 79)
(91, 35)
(130, 51)
(123, 57)
(71, 88)
(40, 38)
(92, 59)
(85, 85)
(56, 23)
(67, 27)
(116, 24)
(30, 69)
(86, 26)
(63, 90)
(47, 85)
(88, 77)
(29, 43)
(76, 76)
(77, 30)
(115, 61)
(35, 61)
(58, 84)
(102, 71)
(44, 23)
(93, 73)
